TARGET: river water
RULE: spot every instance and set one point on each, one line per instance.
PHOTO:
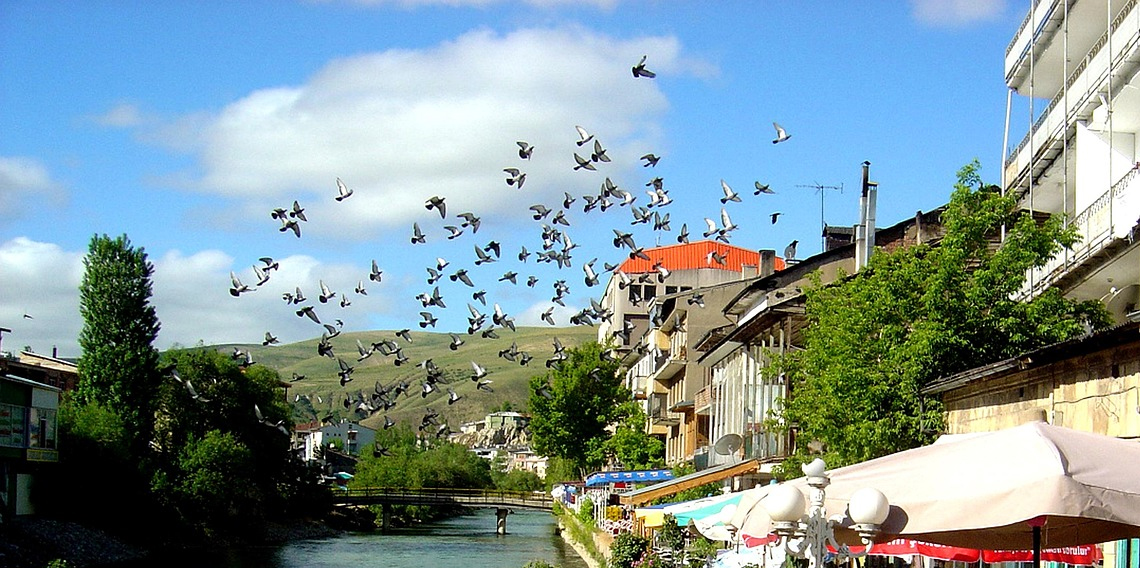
(460, 542)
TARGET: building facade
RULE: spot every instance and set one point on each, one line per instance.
(1076, 64)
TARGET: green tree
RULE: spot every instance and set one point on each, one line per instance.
(206, 398)
(118, 363)
(216, 478)
(918, 313)
(573, 404)
(630, 444)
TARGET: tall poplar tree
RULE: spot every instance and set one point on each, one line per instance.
(118, 366)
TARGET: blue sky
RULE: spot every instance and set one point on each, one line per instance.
(183, 124)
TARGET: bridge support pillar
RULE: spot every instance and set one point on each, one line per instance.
(385, 517)
(501, 520)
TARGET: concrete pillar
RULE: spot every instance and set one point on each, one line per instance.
(501, 520)
(385, 517)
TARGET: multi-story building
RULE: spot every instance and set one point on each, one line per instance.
(637, 281)
(767, 319)
(664, 372)
(1077, 63)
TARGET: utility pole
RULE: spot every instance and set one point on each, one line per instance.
(819, 188)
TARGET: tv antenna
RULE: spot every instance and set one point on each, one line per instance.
(819, 188)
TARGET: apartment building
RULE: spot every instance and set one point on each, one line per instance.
(1076, 63)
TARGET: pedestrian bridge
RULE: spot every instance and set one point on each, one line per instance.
(500, 500)
(444, 496)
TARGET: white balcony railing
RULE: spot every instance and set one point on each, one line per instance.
(1089, 77)
(1111, 216)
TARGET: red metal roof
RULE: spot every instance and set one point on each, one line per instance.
(691, 256)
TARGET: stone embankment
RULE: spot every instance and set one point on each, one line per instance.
(33, 543)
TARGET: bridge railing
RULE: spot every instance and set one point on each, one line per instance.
(435, 495)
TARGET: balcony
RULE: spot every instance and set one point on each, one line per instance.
(1104, 226)
(703, 400)
(1045, 141)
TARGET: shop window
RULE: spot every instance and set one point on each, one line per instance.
(13, 422)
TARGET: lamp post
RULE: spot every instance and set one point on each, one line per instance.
(805, 530)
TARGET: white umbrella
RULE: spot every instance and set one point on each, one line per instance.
(987, 490)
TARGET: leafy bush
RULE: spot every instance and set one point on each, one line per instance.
(586, 510)
(701, 552)
(626, 549)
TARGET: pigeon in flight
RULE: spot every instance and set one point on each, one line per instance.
(650, 160)
(376, 272)
(342, 191)
(583, 163)
(639, 70)
(417, 234)
(269, 339)
(236, 286)
(291, 225)
(763, 188)
(775, 216)
(297, 212)
(326, 293)
(583, 136)
(729, 194)
(436, 202)
(781, 134)
(548, 316)
(599, 154)
(470, 220)
(525, 150)
(516, 177)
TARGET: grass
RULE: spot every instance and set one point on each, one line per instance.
(511, 380)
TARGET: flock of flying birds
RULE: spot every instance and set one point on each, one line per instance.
(553, 246)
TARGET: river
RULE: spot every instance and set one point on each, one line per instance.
(461, 542)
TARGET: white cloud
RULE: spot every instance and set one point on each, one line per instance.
(402, 125)
(532, 316)
(42, 281)
(192, 299)
(122, 115)
(24, 180)
(957, 13)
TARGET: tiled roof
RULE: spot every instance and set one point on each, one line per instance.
(691, 256)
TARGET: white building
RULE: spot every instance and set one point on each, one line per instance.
(1077, 63)
(312, 436)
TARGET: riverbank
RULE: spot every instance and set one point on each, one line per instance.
(584, 541)
(32, 542)
(28, 542)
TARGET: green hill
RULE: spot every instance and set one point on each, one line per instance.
(511, 380)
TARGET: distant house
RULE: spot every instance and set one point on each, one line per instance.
(311, 436)
(506, 420)
(28, 411)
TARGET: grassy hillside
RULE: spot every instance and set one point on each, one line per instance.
(510, 379)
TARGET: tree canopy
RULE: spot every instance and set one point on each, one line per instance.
(118, 363)
(875, 339)
(573, 405)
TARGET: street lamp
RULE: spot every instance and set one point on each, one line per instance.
(805, 530)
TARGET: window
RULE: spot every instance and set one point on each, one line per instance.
(41, 426)
(12, 425)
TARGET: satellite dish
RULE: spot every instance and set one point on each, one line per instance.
(728, 444)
